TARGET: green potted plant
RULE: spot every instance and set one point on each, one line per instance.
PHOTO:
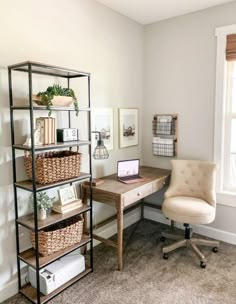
(44, 202)
(52, 96)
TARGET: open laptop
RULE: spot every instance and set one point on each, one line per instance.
(128, 171)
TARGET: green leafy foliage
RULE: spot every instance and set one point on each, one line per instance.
(44, 202)
(57, 90)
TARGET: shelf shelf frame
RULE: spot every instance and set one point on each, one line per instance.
(31, 67)
(46, 69)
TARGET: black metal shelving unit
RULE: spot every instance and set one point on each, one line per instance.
(31, 256)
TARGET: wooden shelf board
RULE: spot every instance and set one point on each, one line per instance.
(57, 145)
(28, 256)
(31, 293)
(28, 220)
(27, 184)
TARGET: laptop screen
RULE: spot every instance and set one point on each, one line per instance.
(128, 167)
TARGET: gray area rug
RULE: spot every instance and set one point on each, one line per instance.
(149, 279)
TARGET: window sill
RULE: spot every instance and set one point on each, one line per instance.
(226, 198)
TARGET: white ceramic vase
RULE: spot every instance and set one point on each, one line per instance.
(42, 214)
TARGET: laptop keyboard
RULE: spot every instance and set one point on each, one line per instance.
(130, 177)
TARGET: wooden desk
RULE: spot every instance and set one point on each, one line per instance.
(121, 196)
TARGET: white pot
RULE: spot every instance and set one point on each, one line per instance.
(42, 214)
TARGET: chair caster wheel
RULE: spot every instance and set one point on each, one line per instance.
(165, 256)
(162, 238)
(215, 249)
(203, 264)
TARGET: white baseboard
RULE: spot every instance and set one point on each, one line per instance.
(11, 288)
(111, 229)
(225, 236)
(8, 290)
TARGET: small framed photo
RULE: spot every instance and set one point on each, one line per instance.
(67, 195)
(102, 121)
(128, 127)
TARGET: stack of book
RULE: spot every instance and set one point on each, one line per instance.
(47, 130)
(59, 208)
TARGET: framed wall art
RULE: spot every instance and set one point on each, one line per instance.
(102, 121)
(128, 127)
(67, 195)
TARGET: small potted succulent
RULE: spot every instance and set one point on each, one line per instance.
(58, 96)
(44, 202)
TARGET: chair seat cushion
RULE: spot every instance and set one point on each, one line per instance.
(189, 210)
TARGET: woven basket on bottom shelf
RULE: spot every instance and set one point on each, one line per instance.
(51, 167)
(59, 236)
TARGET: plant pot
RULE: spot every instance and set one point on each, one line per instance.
(59, 101)
(42, 214)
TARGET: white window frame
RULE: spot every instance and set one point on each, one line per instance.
(223, 197)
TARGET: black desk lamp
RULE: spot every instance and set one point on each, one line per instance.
(100, 152)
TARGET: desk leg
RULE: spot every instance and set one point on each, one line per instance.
(120, 235)
(142, 209)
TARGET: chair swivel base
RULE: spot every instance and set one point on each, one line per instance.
(190, 243)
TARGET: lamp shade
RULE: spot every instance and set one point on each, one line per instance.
(100, 152)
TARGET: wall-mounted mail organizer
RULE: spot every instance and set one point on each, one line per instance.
(164, 130)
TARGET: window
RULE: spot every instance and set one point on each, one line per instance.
(225, 115)
(229, 177)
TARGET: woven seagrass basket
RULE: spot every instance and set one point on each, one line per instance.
(59, 236)
(51, 167)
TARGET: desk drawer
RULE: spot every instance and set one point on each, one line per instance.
(158, 185)
(137, 194)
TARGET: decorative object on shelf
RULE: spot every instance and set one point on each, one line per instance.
(46, 125)
(67, 134)
(58, 208)
(44, 202)
(100, 151)
(37, 138)
(164, 130)
(68, 200)
(67, 195)
(58, 273)
(58, 96)
(53, 166)
(128, 127)
(102, 121)
(59, 236)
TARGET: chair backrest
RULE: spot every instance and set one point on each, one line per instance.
(193, 178)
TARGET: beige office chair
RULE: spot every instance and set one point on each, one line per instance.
(190, 199)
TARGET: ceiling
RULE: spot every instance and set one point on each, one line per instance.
(149, 11)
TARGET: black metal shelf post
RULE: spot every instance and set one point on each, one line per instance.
(14, 175)
(31, 68)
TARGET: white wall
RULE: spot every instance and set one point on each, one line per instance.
(82, 34)
(78, 34)
(180, 71)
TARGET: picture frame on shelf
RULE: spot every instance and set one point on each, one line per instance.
(128, 127)
(67, 195)
(102, 121)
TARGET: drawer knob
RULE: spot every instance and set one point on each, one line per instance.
(139, 193)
